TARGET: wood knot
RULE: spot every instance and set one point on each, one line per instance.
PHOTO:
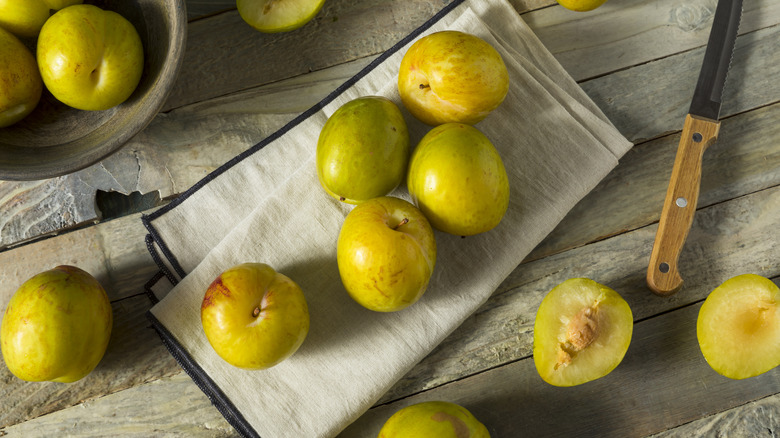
(692, 17)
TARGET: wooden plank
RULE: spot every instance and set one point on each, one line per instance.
(643, 107)
(161, 413)
(662, 382)
(630, 174)
(498, 333)
(743, 160)
(115, 253)
(611, 406)
(633, 32)
(225, 55)
(198, 9)
(639, 32)
(727, 239)
(754, 419)
(172, 406)
(193, 141)
(180, 147)
(134, 356)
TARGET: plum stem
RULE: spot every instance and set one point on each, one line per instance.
(256, 311)
(402, 223)
(424, 86)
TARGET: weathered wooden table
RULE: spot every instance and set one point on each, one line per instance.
(637, 59)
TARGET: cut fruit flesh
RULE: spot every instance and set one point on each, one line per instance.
(278, 15)
(738, 327)
(582, 331)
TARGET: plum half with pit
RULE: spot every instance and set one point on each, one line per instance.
(738, 327)
(581, 333)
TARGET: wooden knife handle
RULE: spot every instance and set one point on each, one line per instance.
(663, 277)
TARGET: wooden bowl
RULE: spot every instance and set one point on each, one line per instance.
(56, 140)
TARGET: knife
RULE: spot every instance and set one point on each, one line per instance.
(700, 130)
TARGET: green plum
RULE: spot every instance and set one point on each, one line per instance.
(451, 76)
(56, 326)
(458, 180)
(25, 18)
(363, 150)
(386, 253)
(90, 58)
(22, 84)
(272, 16)
(254, 317)
(433, 419)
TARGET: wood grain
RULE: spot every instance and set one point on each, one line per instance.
(198, 9)
(140, 391)
(665, 27)
(151, 411)
(115, 253)
(237, 57)
(639, 32)
(662, 382)
(134, 356)
(172, 406)
(180, 147)
(682, 196)
(732, 234)
(643, 108)
(743, 160)
(727, 239)
(754, 419)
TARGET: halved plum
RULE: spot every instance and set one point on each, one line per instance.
(739, 327)
(581, 333)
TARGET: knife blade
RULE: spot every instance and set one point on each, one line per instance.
(700, 130)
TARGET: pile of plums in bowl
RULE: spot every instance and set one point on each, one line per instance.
(81, 78)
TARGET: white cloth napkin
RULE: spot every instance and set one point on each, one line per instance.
(267, 206)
